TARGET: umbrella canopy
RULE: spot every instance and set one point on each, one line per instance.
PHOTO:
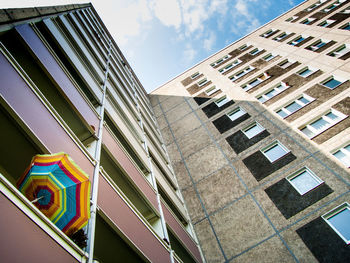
(60, 189)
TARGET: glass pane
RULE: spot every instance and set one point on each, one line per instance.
(304, 100)
(271, 93)
(261, 99)
(293, 107)
(341, 156)
(304, 182)
(347, 147)
(252, 131)
(235, 115)
(332, 83)
(282, 113)
(340, 222)
(254, 83)
(307, 132)
(305, 73)
(275, 152)
(319, 124)
(332, 116)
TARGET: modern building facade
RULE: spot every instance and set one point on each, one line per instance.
(66, 86)
(259, 138)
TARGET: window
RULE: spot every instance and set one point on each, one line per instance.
(253, 130)
(343, 155)
(304, 181)
(332, 6)
(281, 36)
(241, 73)
(295, 105)
(307, 21)
(332, 82)
(323, 123)
(285, 63)
(255, 51)
(275, 151)
(268, 57)
(211, 90)
(202, 82)
(268, 33)
(291, 19)
(236, 113)
(221, 101)
(338, 219)
(245, 46)
(195, 75)
(346, 26)
(220, 61)
(305, 72)
(318, 44)
(229, 66)
(346, 11)
(274, 92)
(315, 5)
(256, 81)
(297, 40)
(326, 23)
(340, 51)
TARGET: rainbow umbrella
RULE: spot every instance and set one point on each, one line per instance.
(60, 189)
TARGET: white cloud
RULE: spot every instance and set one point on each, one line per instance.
(209, 42)
(189, 53)
(244, 21)
(168, 12)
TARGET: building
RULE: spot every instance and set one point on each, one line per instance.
(66, 86)
(259, 138)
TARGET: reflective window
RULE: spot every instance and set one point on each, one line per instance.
(275, 151)
(304, 181)
(253, 130)
(343, 155)
(339, 219)
(236, 113)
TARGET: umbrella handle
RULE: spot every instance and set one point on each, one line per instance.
(37, 199)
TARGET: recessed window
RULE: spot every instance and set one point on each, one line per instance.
(268, 33)
(286, 63)
(253, 130)
(236, 113)
(315, 5)
(346, 11)
(255, 51)
(273, 92)
(221, 101)
(343, 155)
(202, 82)
(305, 72)
(275, 151)
(304, 180)
(220, 61)
(307, 21)
(317, 45)
(340, 51)
(211, 90)
(245, 46)
(241, 73)
(338, 219)
(256, 81)
(346, 26)
(332, 82)
(297, 40)
(295, 105)
(195, 75)
(326, 23)
(229, 66)
(323, 123)
(291, 19)
(269, 56)
(281, 36)
(332, 6)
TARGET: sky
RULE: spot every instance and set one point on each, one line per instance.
(163, 38)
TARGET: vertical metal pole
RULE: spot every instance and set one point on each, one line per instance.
(93, 211)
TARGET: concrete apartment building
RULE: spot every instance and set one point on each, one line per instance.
(259, 139)
(245, 155)
(66, 86)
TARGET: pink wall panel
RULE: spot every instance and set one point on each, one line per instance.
(21, 240)
(129, 167)
(57, 74)
(33, 112)
(128, 223)
(181, 233)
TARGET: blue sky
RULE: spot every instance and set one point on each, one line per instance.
(163, 38)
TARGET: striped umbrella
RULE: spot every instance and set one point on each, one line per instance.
(60, 189)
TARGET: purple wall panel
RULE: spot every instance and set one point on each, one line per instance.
(57, 74)
(129, 167)
(128, 223)
(181, 233)
(23, 241)
(33, 112)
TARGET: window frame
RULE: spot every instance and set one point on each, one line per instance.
(307, 20)
(281, 36)
(298, 101)
(269, 57)
(292, 18)
(202, 82)
(270, 146)
(326, 23)
(335, 211)
(220, 60)
(311, 69)
(317, 45)
(345, 152)
(250, 126)
(242, 73)
(260, 79)
(294, 175)
(276, 88)
(286, 63)
(211, 90)
(233, 64)
(268, 33)
(221, 101)
(336, 78)
(345, 26)
(243, 47)
(232, 112)
(195, 75)
(255, 51)
(331, 122)
(295, 41)
(338, 52)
